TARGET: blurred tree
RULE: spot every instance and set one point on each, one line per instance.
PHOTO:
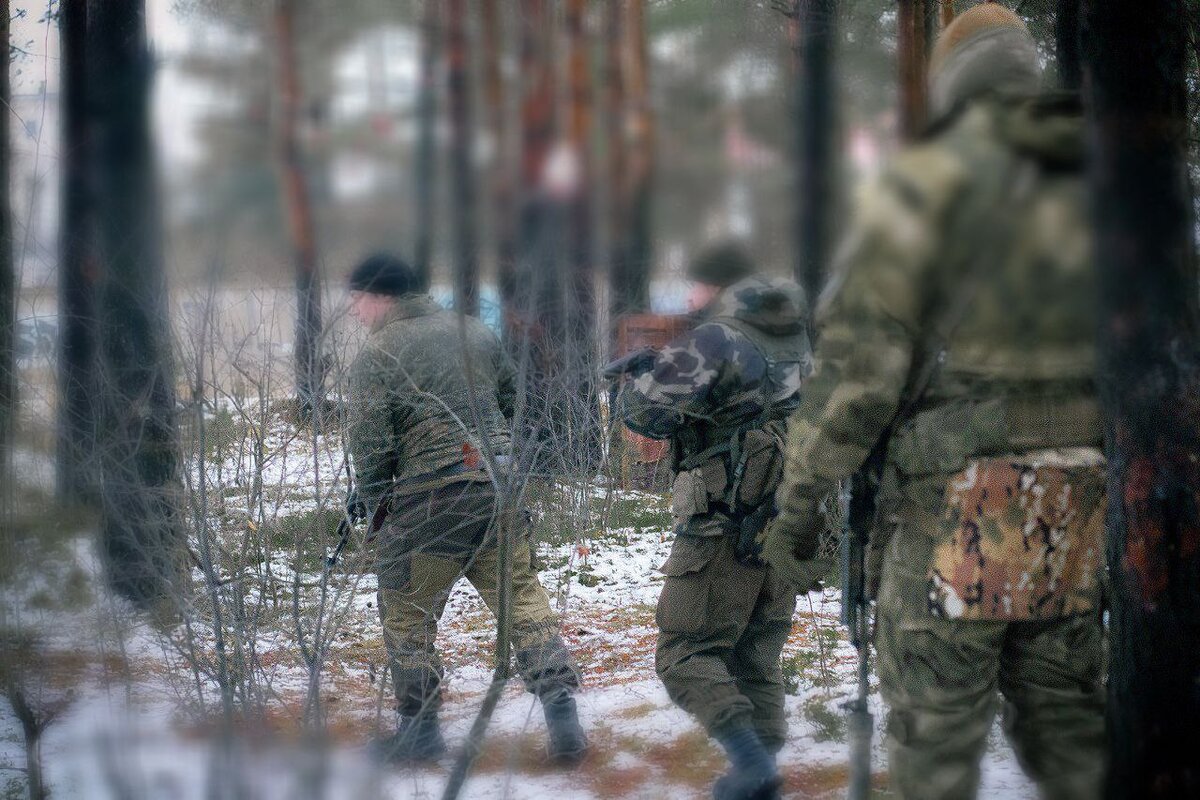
(308, 360)
(424, 172)
(76, 423)
(912, 54)
(1136, 86)
(503, 173)
(8, 283)
(812, 25)
(462, 140)
(1066, 41)
(635, 181)
(143, 539)
(581, 314)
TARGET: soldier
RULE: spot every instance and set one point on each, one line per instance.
(957, 334)
(418, 451)
(720, 394)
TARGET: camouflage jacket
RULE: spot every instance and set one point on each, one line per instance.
(410, 406)
(1016, 373)
(716, 377)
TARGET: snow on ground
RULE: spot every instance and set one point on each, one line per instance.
(130, 729)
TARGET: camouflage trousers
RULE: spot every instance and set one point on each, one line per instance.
(944, 678)
(426, 545)
(722, 629)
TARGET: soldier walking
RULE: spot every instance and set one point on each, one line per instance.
(417, 453)
(957, 341)
(720, 394)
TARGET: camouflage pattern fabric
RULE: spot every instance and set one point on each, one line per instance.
(722, 628)
(1019, 541)
(943, 680)
(1016, 376)
(423, 550)
(410, 406)
(716, 377)
(722, 624)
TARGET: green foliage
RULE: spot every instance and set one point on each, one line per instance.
(829, 725)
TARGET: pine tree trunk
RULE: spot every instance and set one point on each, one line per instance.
(947, 12)
(8, 285)
(813, 27)
(138, 455)
(641, 155)
(297, 200)
(582, 316)
(625, 293)
(912, 57)
(504, 215)
(425, 216)
(77, 271)
(1135, 83)
(462, 136)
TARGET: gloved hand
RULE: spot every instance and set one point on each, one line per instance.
(789, 545)
(356, 510)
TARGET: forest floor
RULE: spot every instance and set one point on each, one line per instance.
(135, 719)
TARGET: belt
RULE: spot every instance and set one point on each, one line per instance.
(445, 476)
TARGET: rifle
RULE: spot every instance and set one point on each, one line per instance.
(857, 500)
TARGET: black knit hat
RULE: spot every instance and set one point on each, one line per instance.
(384, 273)
(722, 264)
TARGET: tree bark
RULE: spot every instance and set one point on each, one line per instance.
(912, 57)
(582, 317)
(8, 284)
(142, 535)
(1135, 85)
(297, 200)
(947, 12)
(641, 156)
(77, 272)
(462, 137)
(503, 176)
(426, 166)
(1066, 42)
(813, 28)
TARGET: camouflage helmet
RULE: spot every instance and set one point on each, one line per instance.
(722, 264)
(986, 49)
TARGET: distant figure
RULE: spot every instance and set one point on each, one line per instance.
(957, 340)
(720, 394)
(417, 441)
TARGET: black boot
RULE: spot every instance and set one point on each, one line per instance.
(754, 775)
(568, 743)
(416, 739)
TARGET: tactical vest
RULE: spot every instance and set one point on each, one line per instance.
(739, 462)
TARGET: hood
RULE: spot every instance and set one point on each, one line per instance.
(1049, 128)
(776, 306)
(1000, 61)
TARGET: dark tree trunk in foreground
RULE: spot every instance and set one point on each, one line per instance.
(8, 284)
(641, 157)
(1135, 63)
(77, 276)
(813, 26)
(297, 200)
(913, 58)
(1067, 44)
(462, 137)
(425, 216)
(143, 538)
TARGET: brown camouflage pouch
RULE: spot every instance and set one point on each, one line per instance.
(1020, 540)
